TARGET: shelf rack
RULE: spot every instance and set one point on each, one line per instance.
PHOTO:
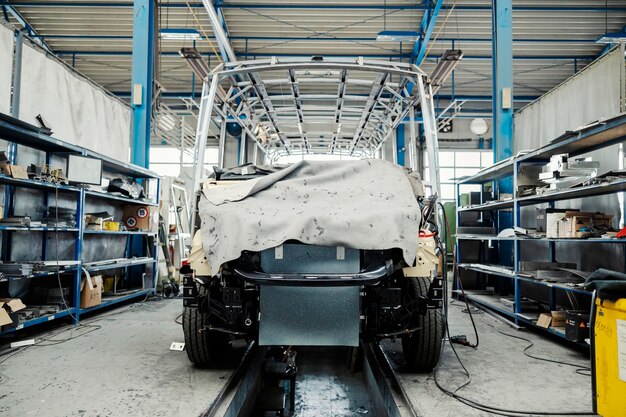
(582, 141)
(140, 246)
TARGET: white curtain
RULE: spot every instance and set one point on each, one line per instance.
(75, 109)
(6, 68)
(594, 93)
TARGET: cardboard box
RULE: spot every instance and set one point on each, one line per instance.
(91, 292)
(14, 171)
(4, 315)
(138, 217)
(577, 225)
(19, 172)
(8, 309)
(93, 222)
(559, 319)
(555, 319)
(13, 304)
(544, 320)
(574, 224)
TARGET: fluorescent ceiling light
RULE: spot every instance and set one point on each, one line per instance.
(398, 35)
(448, 61)
(614, 37)
(194, 59)
(180, 34)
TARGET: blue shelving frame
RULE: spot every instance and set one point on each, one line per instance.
(17, 133)
(590, 138)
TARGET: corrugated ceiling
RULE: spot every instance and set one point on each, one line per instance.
(552, 39)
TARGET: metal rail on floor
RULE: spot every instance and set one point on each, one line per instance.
(240, 393)
(386, 391)
(237, 396)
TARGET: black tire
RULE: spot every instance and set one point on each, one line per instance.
(204, 348)
(422, 348)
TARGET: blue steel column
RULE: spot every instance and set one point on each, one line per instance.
(78, 252)
(143, 61)
(502, 61)
(502, 73)
(142, 73)
(400, 145)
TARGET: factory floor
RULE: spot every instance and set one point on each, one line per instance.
(121, 365)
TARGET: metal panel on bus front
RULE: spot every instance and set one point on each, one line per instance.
(309, 316)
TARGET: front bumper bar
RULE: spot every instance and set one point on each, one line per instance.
(370, 276)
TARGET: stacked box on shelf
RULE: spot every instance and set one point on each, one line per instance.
(509, 281)
(69, 249)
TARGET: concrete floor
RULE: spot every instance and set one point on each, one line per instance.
(123, 369)
(126, 368)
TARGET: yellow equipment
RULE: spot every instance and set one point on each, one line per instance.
(111, 226)
(609, 350)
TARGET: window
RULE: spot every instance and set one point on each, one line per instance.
(456, 164)
(165, 160)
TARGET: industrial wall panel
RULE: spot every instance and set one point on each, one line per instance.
(77, 110)
(6, 64)
(594, 93)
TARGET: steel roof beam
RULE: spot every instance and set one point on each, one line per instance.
(428, 25)
(333, 39)
(375, 56)
(421, 6)
(226, 49)
(220, 14)
(609, 46)
(329, 6)
(476, 98)
(32, 33)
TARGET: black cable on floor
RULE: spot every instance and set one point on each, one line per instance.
(464, 400)
(455, 272)
(481, 406)
(579, 367)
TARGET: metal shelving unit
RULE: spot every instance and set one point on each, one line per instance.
(117, 265)
(587, 139)
(104, 196)
(121, 232)
(140, 246)
(117, 300)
